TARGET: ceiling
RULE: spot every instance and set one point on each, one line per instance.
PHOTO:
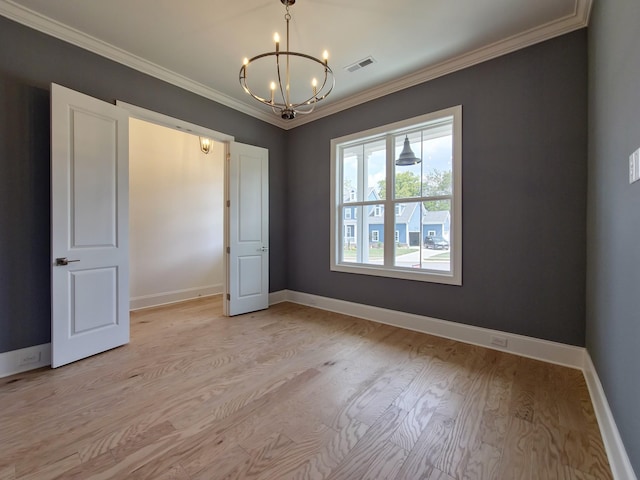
(199, 44)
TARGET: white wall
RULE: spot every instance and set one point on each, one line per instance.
(176, 216)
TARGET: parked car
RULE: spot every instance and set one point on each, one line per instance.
(436, 243)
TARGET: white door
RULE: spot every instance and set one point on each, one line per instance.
(89, 226)
(248, 220)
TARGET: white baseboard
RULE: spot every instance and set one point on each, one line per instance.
(164, 298)
(618, 458)
(278, 297)
(552, 352)
(24, 359)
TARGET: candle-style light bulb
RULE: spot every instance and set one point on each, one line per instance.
(325, 56)
(245, 61)
(276, 38)
(314, 84)
(273, 90)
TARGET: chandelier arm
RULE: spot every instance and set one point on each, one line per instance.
(280, 79)
(315, 98)
(246, 88)
(243, 78)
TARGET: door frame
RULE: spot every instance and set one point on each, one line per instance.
(187, 127)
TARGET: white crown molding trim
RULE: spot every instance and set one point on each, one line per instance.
(166, 298)
(618, 458)
(47, 25)
(575, 21)
(547, 351)
(578, 19)
(14, 361)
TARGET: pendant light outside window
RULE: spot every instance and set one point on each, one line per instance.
(407, 157)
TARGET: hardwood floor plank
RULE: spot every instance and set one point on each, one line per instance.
(285, 464)
(386, 464)
(7, 472)
(51, 470)
(321, 464)
(228, 464)
(427, 449)
(293, 392)
(357, 461)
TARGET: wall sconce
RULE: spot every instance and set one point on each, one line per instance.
(205, 144)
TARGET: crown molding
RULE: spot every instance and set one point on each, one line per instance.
(579, 18)
(51, 27)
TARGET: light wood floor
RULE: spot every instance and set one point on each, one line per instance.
(296, 393)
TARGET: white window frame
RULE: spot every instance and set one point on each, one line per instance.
(396, 236)
(431, 233)
(347, 213)
(375, 236)
(454, 276)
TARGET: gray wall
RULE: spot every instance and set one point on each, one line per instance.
(29, 62)
(613, 281)
(524, 195)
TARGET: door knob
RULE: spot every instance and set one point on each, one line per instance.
(62, 261)
(263, 249)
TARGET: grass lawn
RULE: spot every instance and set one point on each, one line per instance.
(377, 252)
(439, 257)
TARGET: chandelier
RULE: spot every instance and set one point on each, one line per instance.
(284, 99)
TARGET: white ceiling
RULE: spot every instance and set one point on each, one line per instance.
(199, 44)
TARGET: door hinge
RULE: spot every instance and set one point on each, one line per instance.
(228, 203)
(229, 296)
(228, 156)
(228, 249)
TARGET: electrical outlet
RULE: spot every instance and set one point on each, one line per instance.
(29, 358)
(499, 341)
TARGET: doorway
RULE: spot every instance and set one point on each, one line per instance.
(90, 221)
(176, 209)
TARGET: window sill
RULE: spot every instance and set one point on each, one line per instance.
(431, 276)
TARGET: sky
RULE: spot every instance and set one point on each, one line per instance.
(437, 155)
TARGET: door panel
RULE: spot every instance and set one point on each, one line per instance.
(90, 226)
(248, 229)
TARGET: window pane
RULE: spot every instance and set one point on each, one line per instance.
(438, 156)
(350, 157)
(375, 227)
(407, 177)
(376, 173)
(407, 231)
(436, 238)
(350, 234)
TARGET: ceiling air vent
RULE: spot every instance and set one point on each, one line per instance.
(359, 64)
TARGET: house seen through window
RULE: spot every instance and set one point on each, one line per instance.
(417, 206)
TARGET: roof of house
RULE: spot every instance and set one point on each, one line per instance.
(439, 216)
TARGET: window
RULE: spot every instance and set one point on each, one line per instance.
(347, 214)
(405, 202)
